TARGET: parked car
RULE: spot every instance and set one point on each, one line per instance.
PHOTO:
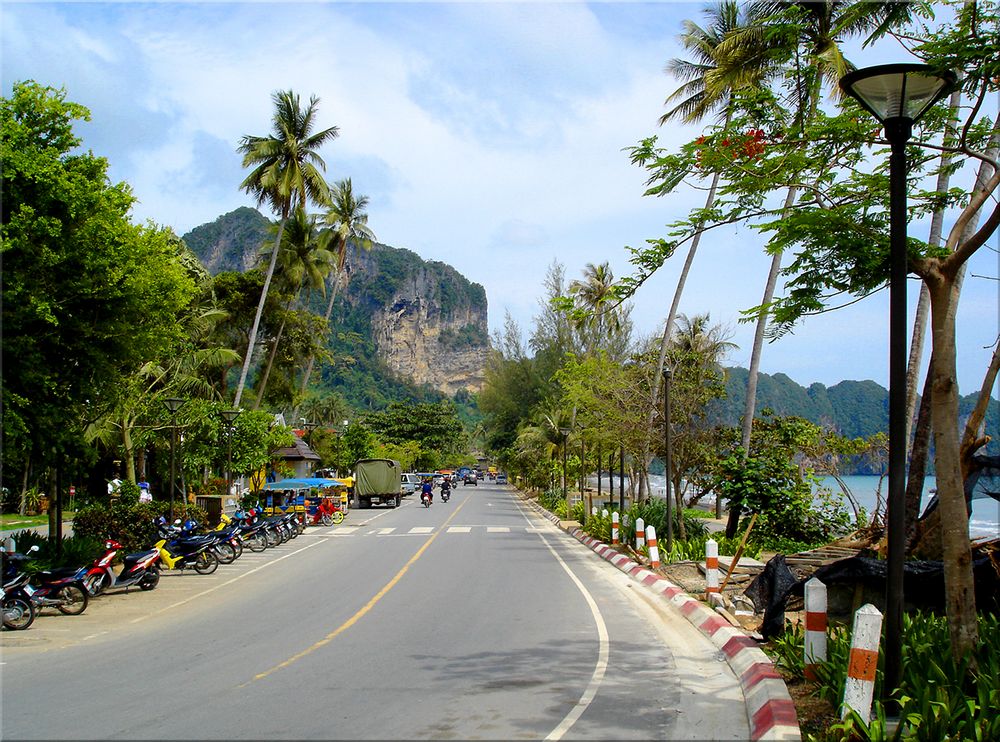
(471, 478)
(410, 482)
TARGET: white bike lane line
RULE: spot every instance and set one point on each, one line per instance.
(604, 643)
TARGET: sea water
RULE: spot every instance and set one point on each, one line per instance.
(983, 523)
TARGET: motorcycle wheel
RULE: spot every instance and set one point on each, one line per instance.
(150, 580)
(273, 539)
(97, 583)
(206, 563)
(224, 552)
(257, 542)
(326, 519)
(18, 613)
(238, 548)
(337, 517)
(73, 600)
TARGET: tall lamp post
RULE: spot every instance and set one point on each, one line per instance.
(173, 404)
(565, 437)
(897, 95)
(667, 378)
(229, 417)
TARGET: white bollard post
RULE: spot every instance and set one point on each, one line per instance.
(9, 545)
(614, 527)
(711, 569)
(640, 534)
(863, 660)
(654, 553)
(815, 645)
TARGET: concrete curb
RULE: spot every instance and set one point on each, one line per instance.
(770, 709)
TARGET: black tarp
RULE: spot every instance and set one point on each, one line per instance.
(863, 578)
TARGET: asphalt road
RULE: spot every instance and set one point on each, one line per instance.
(473, 619)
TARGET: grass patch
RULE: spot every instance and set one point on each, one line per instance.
(12, 521)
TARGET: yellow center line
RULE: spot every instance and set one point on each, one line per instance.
(357, 616)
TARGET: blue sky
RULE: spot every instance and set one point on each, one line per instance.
(488, 136)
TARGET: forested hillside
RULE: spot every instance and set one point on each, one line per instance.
(854, 408)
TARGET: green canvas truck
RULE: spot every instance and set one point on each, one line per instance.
(377, 481)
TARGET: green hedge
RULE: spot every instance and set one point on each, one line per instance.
(130, 524)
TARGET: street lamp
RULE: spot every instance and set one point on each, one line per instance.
(565, 436)
(667, 378)
(229, 417)
(897, 95)
(173, 404)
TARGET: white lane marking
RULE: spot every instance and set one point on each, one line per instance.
(497, 529)
(422, 530)
(604, 649)
(460, 529)
(382, 531)
(227, 582)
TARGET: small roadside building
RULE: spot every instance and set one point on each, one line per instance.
(299, 456)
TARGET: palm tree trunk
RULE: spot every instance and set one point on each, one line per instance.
(672, 315)
(262, 386)
(312, 356)
(758, 345)
(260, 310)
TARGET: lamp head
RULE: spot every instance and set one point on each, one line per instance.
(229, 416)
(174, 403)
(898, 91)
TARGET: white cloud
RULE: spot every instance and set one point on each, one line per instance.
(488, 135)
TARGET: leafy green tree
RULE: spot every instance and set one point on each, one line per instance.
(88, 296)
(287, 171)
(432, 426)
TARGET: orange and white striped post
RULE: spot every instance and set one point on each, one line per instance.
(863, 660)
(815, 644)
(711, 569)
(640, 534)
(654, 553)
(614, 527)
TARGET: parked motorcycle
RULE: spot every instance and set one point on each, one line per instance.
(187, 553)
(327, 513)
(62, 589)
(18, 610)
(141, 568)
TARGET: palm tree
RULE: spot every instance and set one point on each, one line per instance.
(286, 171)
(707, 89)
(806, 36)
(605, 319)
(348, 222)
(304, 262)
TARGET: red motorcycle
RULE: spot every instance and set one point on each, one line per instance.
(142, 569)
(328, 513)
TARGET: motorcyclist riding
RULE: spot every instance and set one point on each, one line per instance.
(427, 489)
(445, 488)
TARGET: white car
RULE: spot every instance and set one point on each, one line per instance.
(409, 483)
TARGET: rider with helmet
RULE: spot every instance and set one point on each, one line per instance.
(427, 489)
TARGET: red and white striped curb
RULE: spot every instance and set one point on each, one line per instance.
(770, 709)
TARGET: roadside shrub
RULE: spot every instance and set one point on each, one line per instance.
(940, 697)
(76, 550)
(131, 524)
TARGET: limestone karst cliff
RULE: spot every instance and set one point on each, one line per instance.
(426, 322)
